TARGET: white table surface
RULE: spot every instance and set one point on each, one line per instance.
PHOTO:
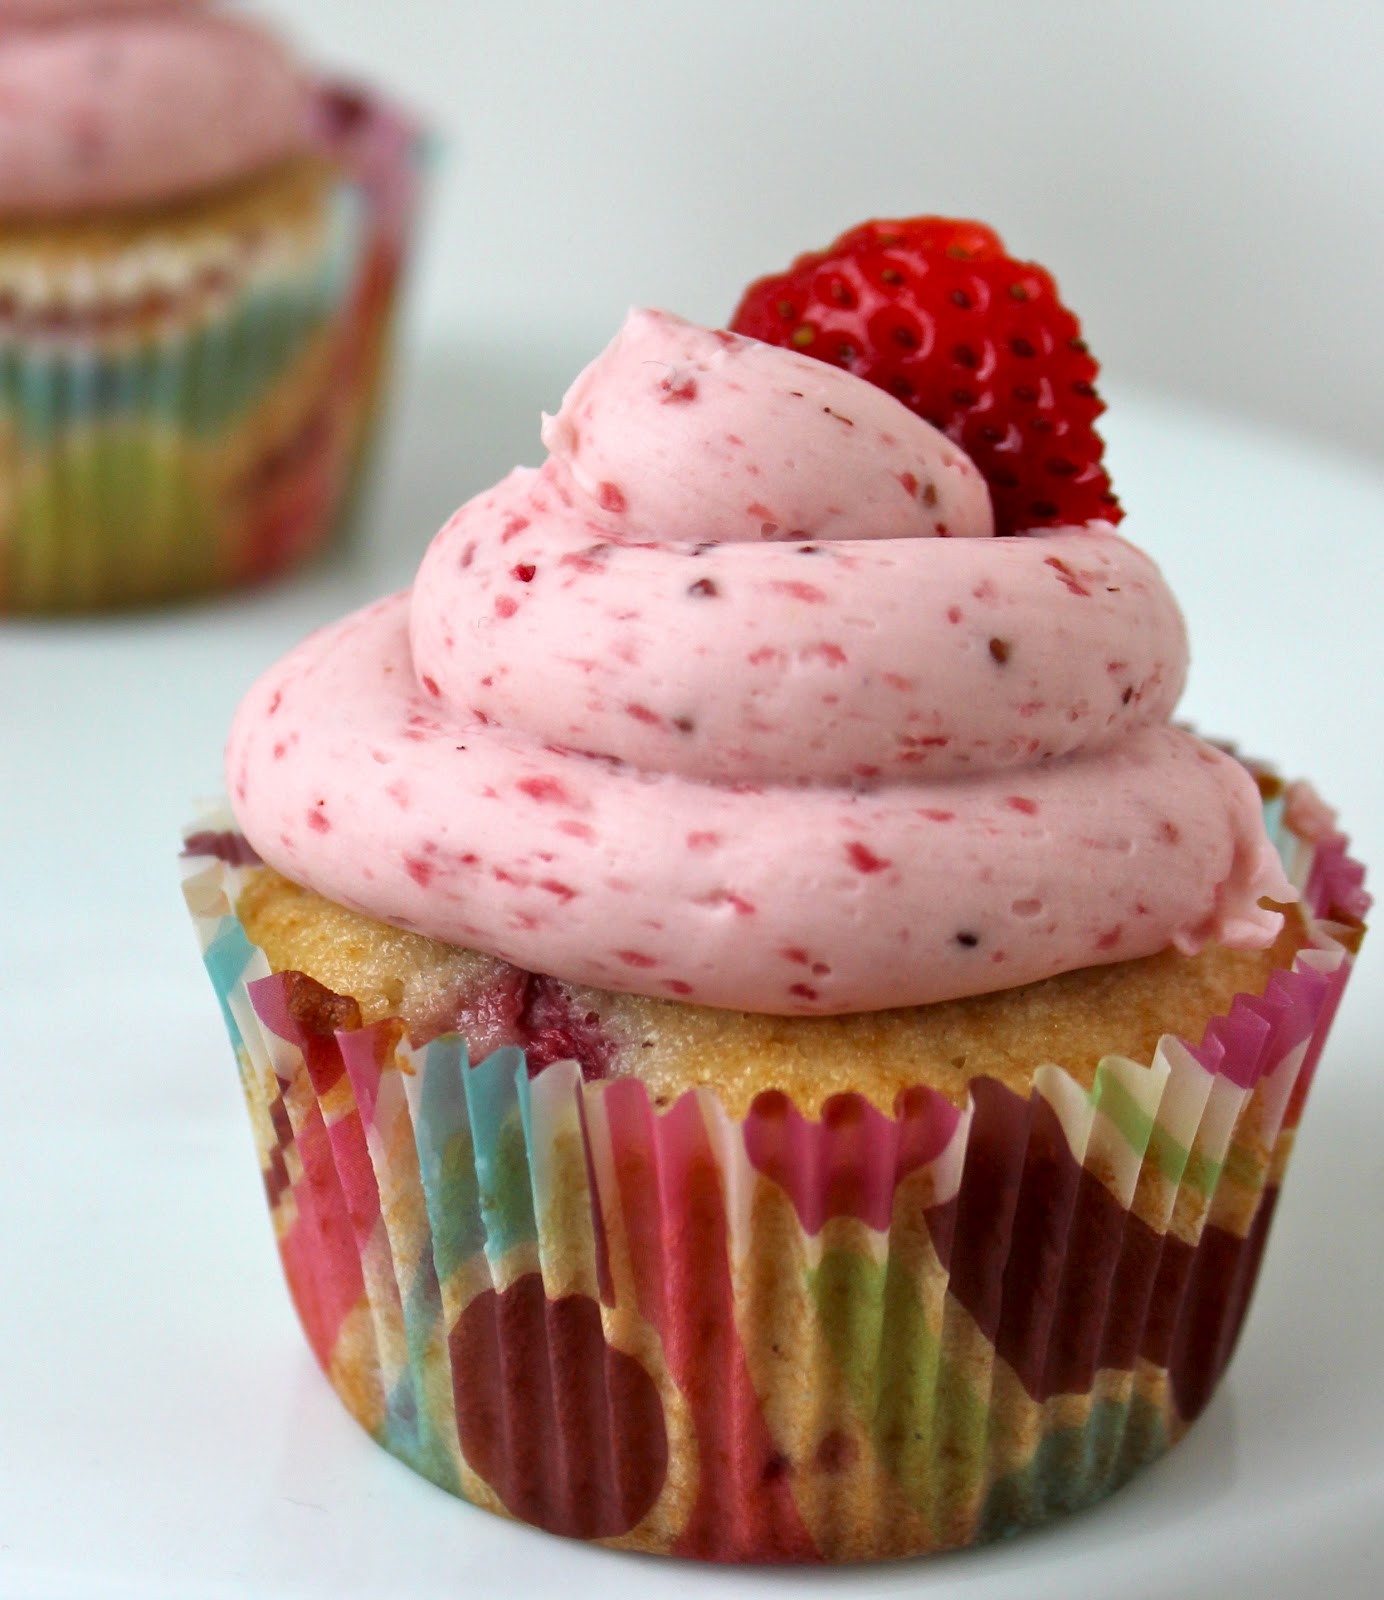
(163, 1430)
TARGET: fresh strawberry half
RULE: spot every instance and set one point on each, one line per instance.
(976, 343)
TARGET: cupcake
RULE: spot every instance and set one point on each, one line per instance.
(199, 250)
(764, 1041)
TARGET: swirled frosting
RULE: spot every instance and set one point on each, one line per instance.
(112, 103)
(737, 700)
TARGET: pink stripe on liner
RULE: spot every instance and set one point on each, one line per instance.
(848, 1163)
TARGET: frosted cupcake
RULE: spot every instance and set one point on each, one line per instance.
(199, 248)
(764, 1042)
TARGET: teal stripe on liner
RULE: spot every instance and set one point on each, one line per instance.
(502, 1159)
(446, 1161)
(227, 958)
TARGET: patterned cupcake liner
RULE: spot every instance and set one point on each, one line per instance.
(184, 404)
(778, 1338)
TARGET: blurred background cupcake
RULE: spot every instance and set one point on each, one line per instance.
(200, 247)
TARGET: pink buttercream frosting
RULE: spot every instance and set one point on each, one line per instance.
(737, 700)
(109, 104)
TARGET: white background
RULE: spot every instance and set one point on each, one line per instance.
(1205, 179)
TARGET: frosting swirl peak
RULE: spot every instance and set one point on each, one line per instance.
(736, 699)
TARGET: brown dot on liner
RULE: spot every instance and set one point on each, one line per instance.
(970, 940)
(704, 589)
(999, 650)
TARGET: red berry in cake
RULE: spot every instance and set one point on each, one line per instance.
(976, 343)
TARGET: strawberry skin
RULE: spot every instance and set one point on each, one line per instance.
(935, 311)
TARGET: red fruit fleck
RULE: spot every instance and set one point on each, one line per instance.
(643, 714)
(552, 1027)
(1067, 577)
(1018, 802)
(937, 816)
(681, 392)
(701, 840)
(563, 891)
(797, 955)
(934, 311)
(317, 820)
(677, 986)
(953, 613)
(728, 897)
(524, 572)
(1109, 939)
(544, 789)
(636, 958)
(809, 593)
(863, 859)
(430, 684)
(514, 526)
(504, 606)
(611, 498)
(420, 871)
(276, 702)
(804, 991)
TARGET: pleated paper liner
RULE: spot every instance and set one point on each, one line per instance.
(184, 398)
(776, 1339)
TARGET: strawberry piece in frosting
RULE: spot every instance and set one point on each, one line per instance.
(736, 700)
